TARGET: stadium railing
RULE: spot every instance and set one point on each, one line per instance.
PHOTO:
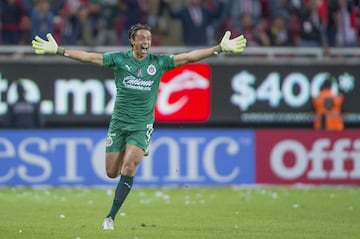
(335, 54)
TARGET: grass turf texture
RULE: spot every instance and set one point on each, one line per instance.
(178, 213)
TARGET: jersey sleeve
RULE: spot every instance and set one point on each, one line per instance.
(112, 59)
(168, 61)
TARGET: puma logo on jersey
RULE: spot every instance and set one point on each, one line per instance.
(128, 67)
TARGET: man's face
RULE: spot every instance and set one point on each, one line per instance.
(141, 43)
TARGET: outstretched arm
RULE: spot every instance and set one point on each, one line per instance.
(50, 46)
(193, 56)
(235, 45)
(83, 56)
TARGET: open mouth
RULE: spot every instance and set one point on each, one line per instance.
(144, 49)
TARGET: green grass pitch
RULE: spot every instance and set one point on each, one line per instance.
(179, 213)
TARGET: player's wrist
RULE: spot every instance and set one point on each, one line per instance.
(217, 49)
(60, 51)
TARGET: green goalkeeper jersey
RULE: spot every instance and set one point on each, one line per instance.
(137, 83)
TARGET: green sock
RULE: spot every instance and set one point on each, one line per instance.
(122, 190)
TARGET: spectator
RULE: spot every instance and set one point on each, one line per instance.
(82, 16)
(106, 34)
(255, 35)
(312, 27)
(328, 108)
(347, 25)
(253, 8)
(24, 114)
(134, 11)
(165, 30)
(69, 29)
(159, 22)
(278, 32)
(219, 24)
(276, 6)
(42, 14)
(88, 14)
(13, 15)
(331, 29)
(89, 18)
(195, 19)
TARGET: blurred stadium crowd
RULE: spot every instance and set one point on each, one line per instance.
(324, 23)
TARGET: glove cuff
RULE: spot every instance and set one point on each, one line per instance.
(60, 51)
(217, 49)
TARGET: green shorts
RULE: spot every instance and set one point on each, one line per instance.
(117, 139)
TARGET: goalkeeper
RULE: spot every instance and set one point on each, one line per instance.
(137, 75)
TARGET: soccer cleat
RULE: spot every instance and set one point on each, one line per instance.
(108, 224)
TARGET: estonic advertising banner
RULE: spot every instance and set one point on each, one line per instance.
(76, 158)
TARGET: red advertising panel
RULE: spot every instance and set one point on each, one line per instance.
(184, 94)
(307, 156)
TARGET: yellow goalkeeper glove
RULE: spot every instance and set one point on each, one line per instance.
(235, 45)
(50, 46)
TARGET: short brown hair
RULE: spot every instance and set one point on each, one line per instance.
(133, 29)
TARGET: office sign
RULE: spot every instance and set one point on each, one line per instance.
(307, 156)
